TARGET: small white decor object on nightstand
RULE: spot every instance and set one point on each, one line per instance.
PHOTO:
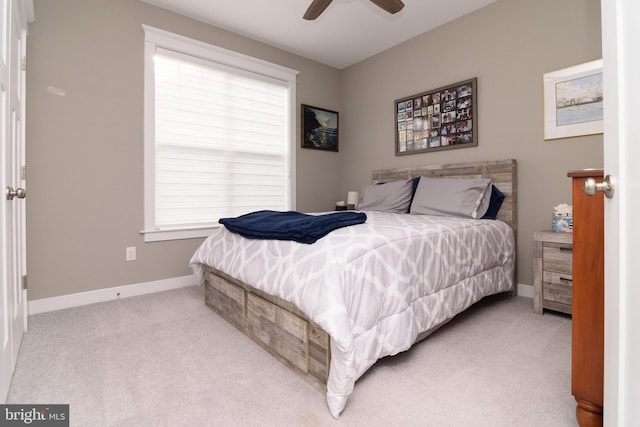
(552, 271)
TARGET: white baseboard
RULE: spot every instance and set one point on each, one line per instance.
(91, 297)
(525, 290)
(101, 295)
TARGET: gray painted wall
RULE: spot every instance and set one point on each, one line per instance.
(508, 46)
(84, 150)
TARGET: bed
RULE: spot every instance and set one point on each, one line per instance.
(331, 309)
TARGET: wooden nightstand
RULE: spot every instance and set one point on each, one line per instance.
(552, 271)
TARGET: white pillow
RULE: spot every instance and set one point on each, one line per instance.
(462, 197)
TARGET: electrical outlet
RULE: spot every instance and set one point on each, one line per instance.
(130, 253)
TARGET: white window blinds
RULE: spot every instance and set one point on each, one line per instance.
(218, 135)
(220, 141)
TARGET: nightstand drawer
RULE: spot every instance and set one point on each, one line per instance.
(558, 279)
(557, 294)
(557, 257)
(557, 287)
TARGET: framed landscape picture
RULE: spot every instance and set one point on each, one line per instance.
(573, 101)
(319, 128)
(438, 119)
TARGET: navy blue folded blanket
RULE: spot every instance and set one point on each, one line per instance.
(290, 225)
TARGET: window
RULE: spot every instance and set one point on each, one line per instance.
(219, 139)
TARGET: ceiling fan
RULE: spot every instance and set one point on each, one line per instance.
(318, 6)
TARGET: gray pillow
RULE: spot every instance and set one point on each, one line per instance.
(467, 198)
(393, 196)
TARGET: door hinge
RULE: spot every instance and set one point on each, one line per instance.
(24, 282)
(24, 63)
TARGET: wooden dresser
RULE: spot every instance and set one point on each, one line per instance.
(587, 347)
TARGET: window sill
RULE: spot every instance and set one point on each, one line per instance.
(176, 234)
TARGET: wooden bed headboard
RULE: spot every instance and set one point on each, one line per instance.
(501, 172)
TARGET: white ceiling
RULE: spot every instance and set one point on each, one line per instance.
(347, 32)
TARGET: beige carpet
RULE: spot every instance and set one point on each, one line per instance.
(167, 360)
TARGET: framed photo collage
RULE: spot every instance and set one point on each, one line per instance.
(439, 119)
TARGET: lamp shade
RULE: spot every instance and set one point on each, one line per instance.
(352, 197)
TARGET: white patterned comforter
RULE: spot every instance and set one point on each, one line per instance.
(374, 287)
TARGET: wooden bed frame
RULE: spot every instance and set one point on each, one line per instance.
(287, 333)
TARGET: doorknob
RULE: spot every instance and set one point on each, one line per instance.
(20, 193)
(590, 186)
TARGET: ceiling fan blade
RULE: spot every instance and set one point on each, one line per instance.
(316, 8)
(391, 6)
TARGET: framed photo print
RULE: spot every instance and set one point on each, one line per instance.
(438, 119)
(573, 102)
(319, 128)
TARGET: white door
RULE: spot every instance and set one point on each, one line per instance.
(13, 298)
(621, 67)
